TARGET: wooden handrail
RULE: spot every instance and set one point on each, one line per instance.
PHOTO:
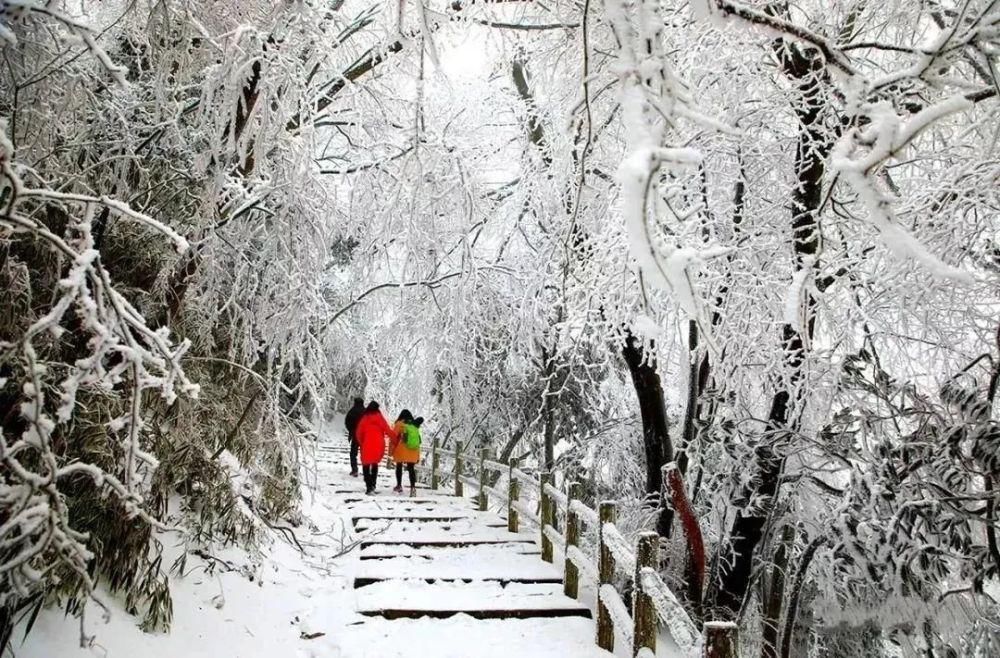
(513, 491)
(670, 611)
(612, 538)
(558, 498)
(571, 572)
(607, 511)
(643, 611)
(653, 602)
(586, 515)
(546, 514)
(484, 501)
(499, 467)
(458, 469)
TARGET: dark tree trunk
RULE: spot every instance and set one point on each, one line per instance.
(655, 429)
(548, 410)
(695, 387)
(536, 133)
(747, 531)
(774, 594)
(660, 452)
(251, 92)
(704, 410)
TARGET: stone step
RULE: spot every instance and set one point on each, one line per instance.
(498, 613)
(404, 517)
(422, 528)
(364, 581)
(566, 637)
(500, 562)
(426, 543)
(462, 554)
(409, 599)
(424, 496)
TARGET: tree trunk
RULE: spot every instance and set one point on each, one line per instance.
(548, 410)
(691, 412)
(700, 413)
(694, 568)
(810, 160)
(775, 594)
(655, 429)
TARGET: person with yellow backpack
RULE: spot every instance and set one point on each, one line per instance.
(406, 450)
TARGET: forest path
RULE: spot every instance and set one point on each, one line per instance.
(434, 576)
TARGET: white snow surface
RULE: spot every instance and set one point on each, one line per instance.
(453, 562)
(459, 596)
(283, 603)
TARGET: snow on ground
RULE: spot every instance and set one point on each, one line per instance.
(497, 562)
(463, 637)
(283, 603)
(265, 605)
(492, 595)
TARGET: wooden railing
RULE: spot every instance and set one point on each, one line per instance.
(537, 501)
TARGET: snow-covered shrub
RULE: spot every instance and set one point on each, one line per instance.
(156, 348)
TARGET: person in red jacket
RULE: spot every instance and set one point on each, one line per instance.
(371, 432)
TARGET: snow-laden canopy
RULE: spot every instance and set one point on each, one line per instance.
(773, 225)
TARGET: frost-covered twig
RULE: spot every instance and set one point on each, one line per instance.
(15, 10)
(653, 99)
(884, 138)
(123, 352)
(731, 10)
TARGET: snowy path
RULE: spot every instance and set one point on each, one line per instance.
(436, 577)
(380, 577)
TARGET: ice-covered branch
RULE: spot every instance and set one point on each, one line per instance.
(15, 10)
(122, 353)
(860, 152)
(730, 10)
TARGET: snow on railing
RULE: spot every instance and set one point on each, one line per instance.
(556, 496)
(653, 603)
(494, 492)
(495, 466)
(623, 555)
(553, 536)
(621, 620)
(527, 512)
(584, 564)
(584, 513)
(524, 478)
(670, 611)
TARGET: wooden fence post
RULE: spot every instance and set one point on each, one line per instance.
(483, 500)
(571, 577)
(458, 469)
(434, 464)
(643, 612)
(545, 515)
(606, 512)
(513, 488)
(721, 639)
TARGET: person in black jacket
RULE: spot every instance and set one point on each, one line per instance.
(351, 422)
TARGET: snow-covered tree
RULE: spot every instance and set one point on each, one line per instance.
(749, 245)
